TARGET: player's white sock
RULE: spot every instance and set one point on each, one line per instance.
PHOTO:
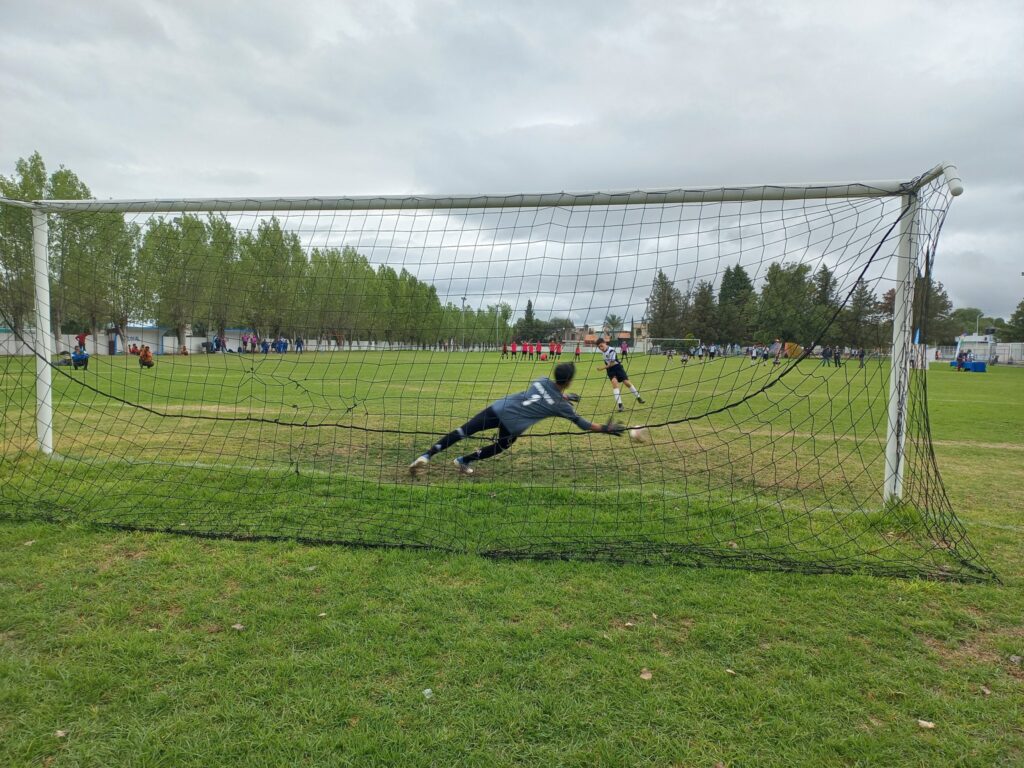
(634, 390)
(618, 397)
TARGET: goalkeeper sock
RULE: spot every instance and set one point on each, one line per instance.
(618, 397)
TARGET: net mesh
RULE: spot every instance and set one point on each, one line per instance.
(327, 349)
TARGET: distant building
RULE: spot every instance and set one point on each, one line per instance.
(580, 333)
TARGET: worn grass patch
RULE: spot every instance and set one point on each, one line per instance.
(125, 643)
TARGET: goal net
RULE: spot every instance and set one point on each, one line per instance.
(271, 368)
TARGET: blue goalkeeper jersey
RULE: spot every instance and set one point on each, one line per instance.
(542, 400)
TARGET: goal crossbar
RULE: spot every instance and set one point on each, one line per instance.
(725, 194)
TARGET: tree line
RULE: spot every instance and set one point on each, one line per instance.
(797, 304)
(201, 272)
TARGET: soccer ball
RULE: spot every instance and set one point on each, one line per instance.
(639, 434)
(543, 355)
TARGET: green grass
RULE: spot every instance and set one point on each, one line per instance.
(124, 640)
(759, 466)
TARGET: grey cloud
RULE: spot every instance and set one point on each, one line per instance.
(250, 99)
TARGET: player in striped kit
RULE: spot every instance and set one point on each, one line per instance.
(616, 373)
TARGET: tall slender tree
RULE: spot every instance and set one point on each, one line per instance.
(127, 301)
(704, 314)
(1015, 325)
(664, 308)
(271, 262)
(736, 305)
(931, 311)
(16, 271)
(175, 260)
(222, 276)
(826, 304)
(70, 270)
(786, 303)
(859, 321)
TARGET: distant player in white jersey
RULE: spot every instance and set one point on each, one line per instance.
(616, 373)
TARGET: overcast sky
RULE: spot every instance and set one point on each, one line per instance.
(256, 98)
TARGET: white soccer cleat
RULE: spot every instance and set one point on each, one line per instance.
(464, 468)
(419, 464)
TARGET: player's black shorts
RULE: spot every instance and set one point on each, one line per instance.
(617, 372)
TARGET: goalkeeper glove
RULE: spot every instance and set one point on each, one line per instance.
(612, 428)
(572, 397)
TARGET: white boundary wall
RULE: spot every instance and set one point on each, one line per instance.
(160, 344)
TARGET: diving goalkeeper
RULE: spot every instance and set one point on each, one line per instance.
(515, 414)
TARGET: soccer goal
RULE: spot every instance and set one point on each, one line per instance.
(658, 346)
(309, 368)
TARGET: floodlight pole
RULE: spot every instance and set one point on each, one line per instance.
(44, 337)
(899, 376)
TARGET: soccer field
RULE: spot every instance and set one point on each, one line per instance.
(768, 466)
(126, 644)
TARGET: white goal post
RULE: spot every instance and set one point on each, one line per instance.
(906, 257)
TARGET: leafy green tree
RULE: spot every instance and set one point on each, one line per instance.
(664, 308)
(558, 328)
(381, 317)
(613, 324)
(126, 298)
(16, 271)
(786, 304)
(340, 287)
(736, 305)
(271, 262)
(825, 287)
(100, 276)
(527, 327)
(175, 260)
(931, 312)
(92, 257)
(356, 294)
(859, 322)
(966, 320)
(222, 276)
(826, 304)
(504, 316)
(703, 315)
(324, 283)
(884, 312)
(71, 275)
(1015, 326)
